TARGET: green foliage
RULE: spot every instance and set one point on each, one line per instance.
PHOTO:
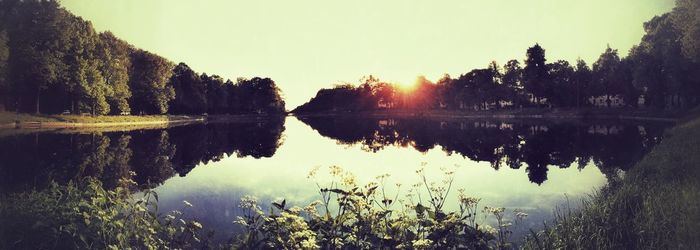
(114, 55)
(350, 216)
(686, 17)
(59, 62)
(86, 216)
(149, 75)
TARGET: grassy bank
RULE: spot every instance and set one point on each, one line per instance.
(9, 117)
(654, 206)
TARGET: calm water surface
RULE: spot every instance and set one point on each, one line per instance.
(533, 165)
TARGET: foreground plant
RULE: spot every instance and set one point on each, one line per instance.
(86, 216)
(350, 216)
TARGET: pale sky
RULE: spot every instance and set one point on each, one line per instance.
(305, 45)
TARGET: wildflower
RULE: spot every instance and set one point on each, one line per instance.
(295, 210)
(519, 214)
(336, 171)
(248, 201)
(489, 229)
(196, 225)
(241, 221)
(313, 172)
(422, 244)
(187, 203)
(348, 179)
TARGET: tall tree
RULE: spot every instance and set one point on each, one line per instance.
(535, 77)
(604, 70)
(582, 82)
(190, 91)
(562, 90)
(148, 80)
(114, 55)
(84, 80)
(513, 81)
(36, 52)
(686, 17)
(4, 84)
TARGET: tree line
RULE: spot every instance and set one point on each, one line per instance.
(662, 71)
(52, 60)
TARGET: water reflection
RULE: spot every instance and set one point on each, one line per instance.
(213, 165)
(33, 160)
(534, 144)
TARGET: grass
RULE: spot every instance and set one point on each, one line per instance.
(653, 206)
(9, 117)
(109, 118)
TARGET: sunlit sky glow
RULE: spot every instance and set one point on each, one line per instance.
(306, 45)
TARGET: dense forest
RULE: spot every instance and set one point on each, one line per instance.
(662, 71)
(52, 61)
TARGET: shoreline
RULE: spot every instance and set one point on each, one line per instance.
(31, 122)
(58, 122)
(559, 114)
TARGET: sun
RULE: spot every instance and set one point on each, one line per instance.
(406, 86)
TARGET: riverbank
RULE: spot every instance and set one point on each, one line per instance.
(29, 121)
(652, 206)
(529, 113)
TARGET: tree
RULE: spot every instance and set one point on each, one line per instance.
(659, 68)
(148, 80)
(36, 46)
(114, 55)
(190, 92)
(604, 70)
(535, 77)
(562, 90)
(686, 18)
(513, 81)
(84, 81)
(4, 55)
(582, 81)
(216, 94)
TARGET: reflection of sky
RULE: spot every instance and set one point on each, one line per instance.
(215, 188)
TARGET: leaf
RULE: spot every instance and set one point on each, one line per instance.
(281, 205)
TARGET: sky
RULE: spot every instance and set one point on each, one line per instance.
(306, 45)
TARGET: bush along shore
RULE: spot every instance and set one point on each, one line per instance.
(652, 206)
(84, 215)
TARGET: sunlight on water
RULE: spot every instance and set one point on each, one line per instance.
(217, 186)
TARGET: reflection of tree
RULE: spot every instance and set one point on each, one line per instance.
(501, 143)
(119, 167)
(154, 155)
(212, 142)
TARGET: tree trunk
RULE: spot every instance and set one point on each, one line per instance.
(38, 96)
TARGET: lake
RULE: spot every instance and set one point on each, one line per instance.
(530, 164)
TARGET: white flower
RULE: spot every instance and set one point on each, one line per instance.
(187, 203)
(422, 243)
